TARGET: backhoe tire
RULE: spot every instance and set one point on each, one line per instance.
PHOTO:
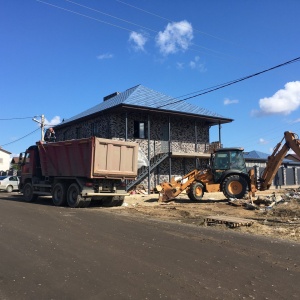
(59, 194)
(28, 194)
(234, 186)
(196, 191)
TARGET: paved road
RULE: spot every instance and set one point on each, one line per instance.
(49, 252)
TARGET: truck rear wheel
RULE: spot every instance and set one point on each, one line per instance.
(74, 198)
(59, 195)
(113, 201)
(196, 191)
(28, 194)
(234, 186)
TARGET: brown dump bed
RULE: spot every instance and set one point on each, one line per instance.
(91, 157)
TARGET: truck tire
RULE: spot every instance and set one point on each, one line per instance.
(28, 194)
(196, 191)
(59, 194)
(118, 200)
(74, 198)
(234, 186)
(113, 201)
(85, 202)
(9, 189)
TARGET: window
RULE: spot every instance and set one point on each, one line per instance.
(140, 130)
(94, 129)
(78, 133)
(221, 161)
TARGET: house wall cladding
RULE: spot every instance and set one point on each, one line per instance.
(186, 137)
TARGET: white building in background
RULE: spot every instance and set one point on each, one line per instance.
(4, 160)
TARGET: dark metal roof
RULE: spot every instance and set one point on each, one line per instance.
(143, 97)
(261, 156)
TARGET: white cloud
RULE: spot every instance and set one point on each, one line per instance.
(262, 141)
(197, 65)
(295, 121)
(177, 36)
(54, 121)
(139, 40)
(179, 65)
(105, 56)
(192, 64)
(283, 101)
(228, 101)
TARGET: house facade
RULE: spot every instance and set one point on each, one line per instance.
(173, 135)
(4, 161)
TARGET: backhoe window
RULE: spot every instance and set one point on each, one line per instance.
(229, 160)
(221, 161)
(237, 161)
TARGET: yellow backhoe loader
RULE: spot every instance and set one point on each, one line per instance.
(227, 173)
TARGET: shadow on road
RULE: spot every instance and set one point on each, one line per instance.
(18, 197)
(187, 201)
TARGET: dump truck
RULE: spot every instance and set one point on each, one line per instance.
(75, 172)
(227, 173)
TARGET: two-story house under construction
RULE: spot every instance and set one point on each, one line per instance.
(172, 134)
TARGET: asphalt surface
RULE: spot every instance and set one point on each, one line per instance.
(49, 252)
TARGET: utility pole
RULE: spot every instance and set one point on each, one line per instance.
(42, 123)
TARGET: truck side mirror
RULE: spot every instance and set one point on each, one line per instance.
(21, 159)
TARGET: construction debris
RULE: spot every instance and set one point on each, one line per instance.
(262, 202)
(231, 222)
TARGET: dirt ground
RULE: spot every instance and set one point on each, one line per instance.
(281, 220)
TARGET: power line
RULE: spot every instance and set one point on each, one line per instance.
(21, 138)
(103, 13)
(169, 20)
(135, 24)
(163, 18)
(220, 86)
(83, 15)
(124, 28)
(21, 118)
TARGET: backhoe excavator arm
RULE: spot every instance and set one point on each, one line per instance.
(275, 159)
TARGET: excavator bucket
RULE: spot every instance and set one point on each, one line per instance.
(166, 192)
(170, 190)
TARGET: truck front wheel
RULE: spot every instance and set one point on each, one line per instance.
(28, 194)
(234, 186)
(59, 196)
(196, 191)
(74, 198)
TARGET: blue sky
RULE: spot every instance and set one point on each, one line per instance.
(59, 58)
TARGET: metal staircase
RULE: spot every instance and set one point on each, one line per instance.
(154, 162)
